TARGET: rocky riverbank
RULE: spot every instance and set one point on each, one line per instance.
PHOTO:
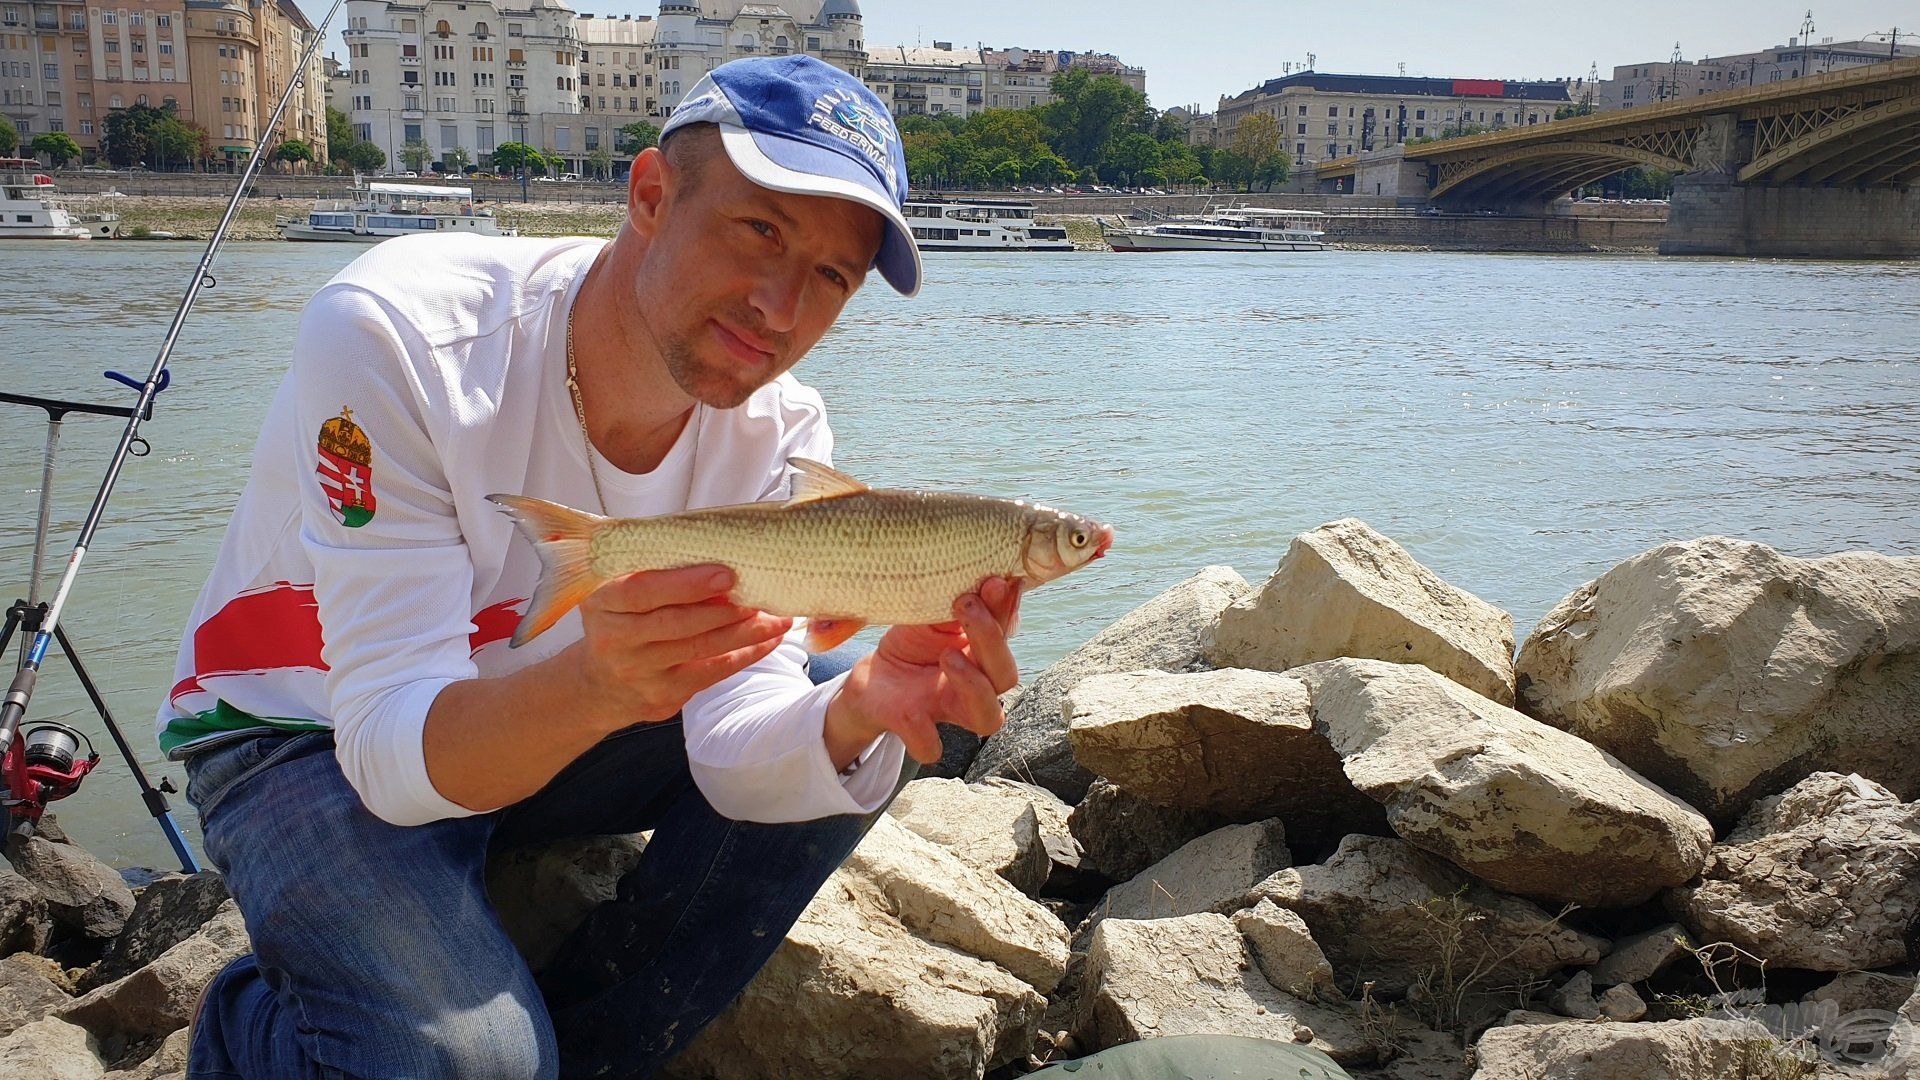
(1672, 837)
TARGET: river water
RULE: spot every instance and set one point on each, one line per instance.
(1519, 422)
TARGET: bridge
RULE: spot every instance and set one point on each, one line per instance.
(1824, 165)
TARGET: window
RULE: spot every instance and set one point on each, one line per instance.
(480, 30)
(513, 29)
(563, 139)
(813, 45)
(410, 50)
(50, 72)
(449, 136)
(483, 134)
(412, 133)
(483, 53)
(137, 19)
(1303, 130)
(86, 127)
(407, 78)
(1419, 114)
(1419, 132)
(409, 26)
(78, 21)
(1333, 129)
(603, 108)
(593, 139)
(1303, 110)
(166, 48)
(107, 18)
(442, 28)
(113, 46)
(483, 105)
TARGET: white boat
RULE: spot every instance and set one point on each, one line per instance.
(1250, 228)
(943, 224)
(381, 211)
(28, 212)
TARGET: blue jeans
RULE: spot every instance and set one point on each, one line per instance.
(378, 955)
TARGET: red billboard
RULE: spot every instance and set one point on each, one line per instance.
(1479, 88)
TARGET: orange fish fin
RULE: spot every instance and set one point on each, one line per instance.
(824, 635)
(813, 481)
(563, 538)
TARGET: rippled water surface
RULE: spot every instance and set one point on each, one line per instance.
(1520, 423)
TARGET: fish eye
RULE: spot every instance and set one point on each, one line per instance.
(1078, 539)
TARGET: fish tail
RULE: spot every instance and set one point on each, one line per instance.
(563, 538)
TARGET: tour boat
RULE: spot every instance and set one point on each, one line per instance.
(943, 224)
(28, 212)
(381, 211)
(1243, 229)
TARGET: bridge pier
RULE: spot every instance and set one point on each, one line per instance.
(1712, 214)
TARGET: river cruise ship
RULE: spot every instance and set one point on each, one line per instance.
(955, 224)
(28, 212)
(381, 211)
(1250, 228)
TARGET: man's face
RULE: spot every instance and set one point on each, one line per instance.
(752, 277)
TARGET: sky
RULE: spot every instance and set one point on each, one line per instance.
(1196, 50)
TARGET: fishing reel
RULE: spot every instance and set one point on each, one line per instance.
(42, 766)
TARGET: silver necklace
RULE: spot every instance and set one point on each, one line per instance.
(586, 439)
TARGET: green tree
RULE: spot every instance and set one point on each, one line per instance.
(339, 134)
(1130, 155)
(1568, 112)
(1045, 167)
(1260, 148)
(555, 164)
(636, 137)
(414, 154)
(126, 133)
(9, 136)
(58, 146)
(363, 156)
(455, 161)
(171, 144)
(511, 157)
(1089, 111)
(1006, 173)
(1457, 131)
(293, 152)
(600, 162)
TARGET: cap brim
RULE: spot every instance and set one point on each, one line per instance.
(798, 167)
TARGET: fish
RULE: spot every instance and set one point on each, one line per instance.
(838, 553)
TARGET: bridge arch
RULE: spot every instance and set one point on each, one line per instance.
(1527, 169)
(1841, 136)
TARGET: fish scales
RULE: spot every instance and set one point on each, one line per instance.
(882, 556)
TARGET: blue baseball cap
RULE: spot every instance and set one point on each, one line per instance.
(799, 125)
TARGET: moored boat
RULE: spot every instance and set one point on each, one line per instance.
(28, 210)
(957, 224)
(1240, 229)
(381, 211)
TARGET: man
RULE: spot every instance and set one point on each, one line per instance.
(357, 732)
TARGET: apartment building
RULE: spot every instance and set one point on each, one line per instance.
(916, 81)
(617, 87)
(1023, 78)
(1654, 82)
(694, 38)
(1325, 116)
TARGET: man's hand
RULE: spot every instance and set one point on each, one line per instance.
(655, 638)
(923, 676)
(652, 640)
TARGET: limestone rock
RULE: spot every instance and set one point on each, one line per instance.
(1701, 1049)
(902, 966)
(998, 835)
(158, 999)
(1642, 956)
(30, 987)
(542, 891)
(24, 921)
(1825, 877)
(1622, 1003)
(1121, 834)
(1285, 950)
(1213, 873)
(1524, 807)
(1345, 590)
(1724, 671)
(1162, 635)
(169, 1062)
(1067, 874)
(1575, 998)
(1865, 991)
(168, 911)
(81, 891)
(1380, 908)
(51, 1049)
(1237, 743)
(1191, 976)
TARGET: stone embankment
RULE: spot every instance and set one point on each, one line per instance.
(1673, 836)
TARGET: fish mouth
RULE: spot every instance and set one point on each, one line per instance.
(1106, 541)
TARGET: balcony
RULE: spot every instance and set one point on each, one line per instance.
(46, 24)
(409, 61)
(516, 65)
(413, 114)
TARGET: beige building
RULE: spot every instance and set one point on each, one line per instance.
(915, 81)
(1652, 83)
(1325, 116)
(1023, 78)
(696, 36)
(616, 89)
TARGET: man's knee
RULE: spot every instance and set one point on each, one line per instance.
(502, 1037)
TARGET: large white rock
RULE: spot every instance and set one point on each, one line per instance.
(1639, 957)
(1285, 950)
(1524, 807)
(1345, 590)
(1825, 877)
(1725, 671)
(1237, 743)
(909, 962)
(1192, 976)
(1213, 873)
(51, 1049)
(1385, 911)
(1163, 635)
(30, 987)
(158, 999)
(999, 835)
(1701, 1049)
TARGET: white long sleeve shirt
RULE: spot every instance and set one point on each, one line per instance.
(363, 569)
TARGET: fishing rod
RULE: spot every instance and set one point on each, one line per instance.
(33, 784)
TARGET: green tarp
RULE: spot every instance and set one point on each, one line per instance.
(1199, 1057)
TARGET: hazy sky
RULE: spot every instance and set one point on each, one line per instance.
(1196, 50)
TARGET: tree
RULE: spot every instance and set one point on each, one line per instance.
(1089, 111)
(1568, 112)
(1006, 173)
(126, 133)
(293, 151)
(636, 137)
(455, 161)
(555, 164)
(600, 162)
(58, 146)
(1045, 167)
(172, 143)
(9, 136)
(340, 138)
(1257, 141)
(511, 157)
(1130, 155)
(414, 154)
(365, 157)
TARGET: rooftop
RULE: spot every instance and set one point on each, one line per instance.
(1400, 85)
